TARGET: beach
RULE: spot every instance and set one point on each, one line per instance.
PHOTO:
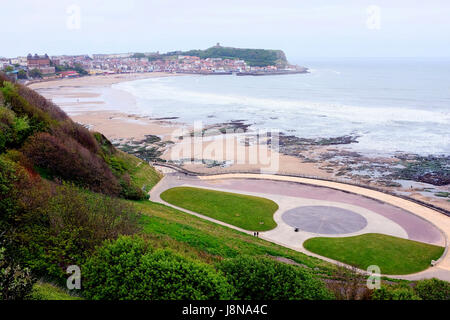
(98, 104)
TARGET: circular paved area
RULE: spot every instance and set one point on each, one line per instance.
(295, 192)
(324, 220)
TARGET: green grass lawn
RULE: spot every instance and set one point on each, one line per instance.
(47, 291)
(208, 241)
(393, 255)
(247, 212)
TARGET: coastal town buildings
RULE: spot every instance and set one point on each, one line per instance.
(97, 64)
(41, 63)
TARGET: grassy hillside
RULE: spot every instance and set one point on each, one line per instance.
(253, 57)
(210, 241)
(48, 291)
(68, 197)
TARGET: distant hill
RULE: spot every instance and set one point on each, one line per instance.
(253, 57)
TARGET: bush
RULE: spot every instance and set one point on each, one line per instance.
(41, 103)
(72, 224)
(66, 158)
(82, 135)
(265, 279)
(15, 283)
(39, 120)
(13, 130)
(130, 190)
(433, 289)
(399, 292)
(128, 269)
(14, 180)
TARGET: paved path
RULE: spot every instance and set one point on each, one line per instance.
(391, 216)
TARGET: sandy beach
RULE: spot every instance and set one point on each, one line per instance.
(94, 103)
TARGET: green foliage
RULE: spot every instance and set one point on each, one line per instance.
(138, 55)
(16, 283)
(79, 68)
(13, 130)
(76, 222)
(141, 173)
(254, 57)
(105, 144)
(51, 226)
(259, 278)
(433, 289)
(13, 180)
(129, 189)
(399, 292)
(128, 269)
(247, 212)
(38, 119)
(35, 73)
(22, 74)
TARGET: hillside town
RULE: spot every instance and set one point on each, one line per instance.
(38, 67)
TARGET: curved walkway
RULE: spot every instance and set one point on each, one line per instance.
(388, 215)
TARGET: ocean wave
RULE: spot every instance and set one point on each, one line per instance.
(161, 89)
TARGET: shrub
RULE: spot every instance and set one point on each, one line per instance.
(433, 289)
(399, 292)
(74, 223)
(130, 190)
(82, 135)
(13, 179)
(13, 130)
(16, 283)
(106, 146)
(265, 279)
(42, 103)
(128, 269)
(349, 284)
(39, 120)
(71, 161)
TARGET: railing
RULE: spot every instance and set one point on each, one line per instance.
(212, 172)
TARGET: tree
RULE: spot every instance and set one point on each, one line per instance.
(35, 73)
(78, 68)
(22, 74)
(8, 69)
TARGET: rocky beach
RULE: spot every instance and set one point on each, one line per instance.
(95, 103)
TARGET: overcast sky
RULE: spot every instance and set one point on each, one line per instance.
(320, 28)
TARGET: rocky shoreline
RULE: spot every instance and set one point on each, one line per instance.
(425, 177)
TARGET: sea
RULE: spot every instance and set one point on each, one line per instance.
(391, 105)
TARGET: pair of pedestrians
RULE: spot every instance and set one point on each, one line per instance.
(256, 234)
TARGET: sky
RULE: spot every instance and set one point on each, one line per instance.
(321, 28)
